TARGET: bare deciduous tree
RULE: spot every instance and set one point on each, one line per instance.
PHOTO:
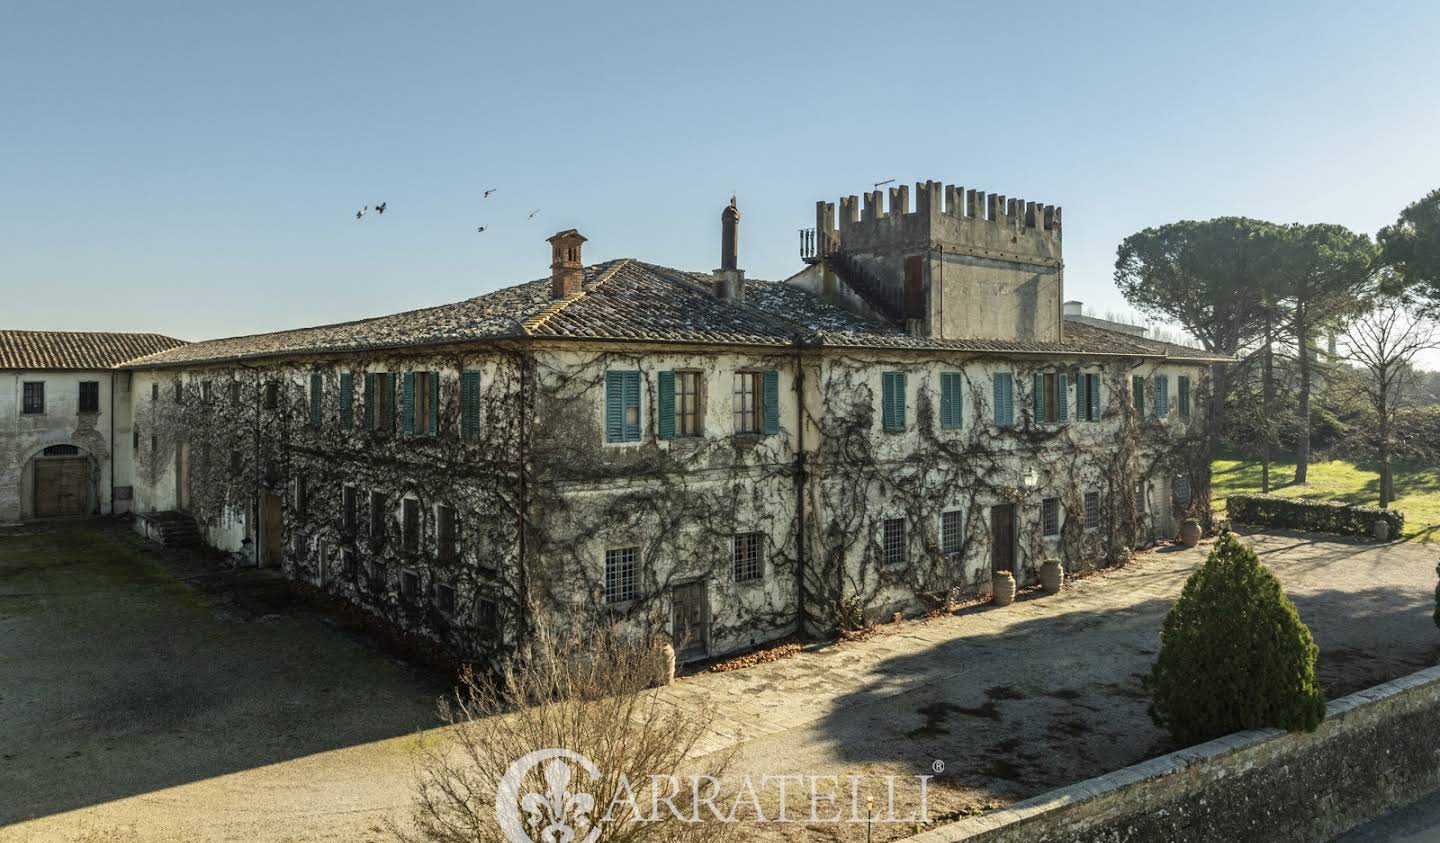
(1385, 342)
(589, 691)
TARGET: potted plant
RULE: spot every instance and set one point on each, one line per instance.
(1002, 588)
(1190, 527)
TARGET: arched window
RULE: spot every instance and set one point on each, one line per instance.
(62, 451)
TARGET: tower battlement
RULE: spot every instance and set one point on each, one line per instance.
(960, 263)
(943, 213)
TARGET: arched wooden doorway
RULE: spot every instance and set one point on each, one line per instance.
(61, 482)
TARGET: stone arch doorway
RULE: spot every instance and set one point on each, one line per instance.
(59, 481)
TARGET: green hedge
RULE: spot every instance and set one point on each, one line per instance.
(1313, 516)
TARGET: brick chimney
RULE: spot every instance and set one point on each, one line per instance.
(730, 280)
(566, 269)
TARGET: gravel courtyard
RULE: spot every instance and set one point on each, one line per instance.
(149, 695)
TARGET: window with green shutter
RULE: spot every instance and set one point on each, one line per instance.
(347, 400)
(665, 398)
(1183, 384)
(892, 401)
(1162, 396)
(951, 402)
(409, 404)
(1004, 383)
(1137, 389)
(317, 398)
(1087, 397)
(1051, 393)
(771, 385)
(372, 389)
(387, 402)
(470, 405)
(432, 410)
(622, 406)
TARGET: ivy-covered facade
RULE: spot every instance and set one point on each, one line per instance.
(720, 462)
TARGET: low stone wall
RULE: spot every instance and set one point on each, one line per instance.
(1376, 749)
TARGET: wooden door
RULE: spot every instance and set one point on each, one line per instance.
(689, 607)
(1002, 538)
(274, 538)
(60, 487)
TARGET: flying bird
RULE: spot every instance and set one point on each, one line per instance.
(380, 209)
(361, 213)
(480, 229)
(487, 193)
(883, 183)
(532, 214)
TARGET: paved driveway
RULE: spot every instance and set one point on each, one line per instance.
(146, 695)
(1016, 701)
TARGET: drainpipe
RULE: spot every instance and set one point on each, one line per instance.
(112, 442)
(261, 551)
(523, 504)
(801, 479)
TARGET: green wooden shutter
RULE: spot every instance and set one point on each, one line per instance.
(1082, 397)
(1004, 399)
(1094, 397)
(666, 401)
(1039, 396)
(470, 405)
(317, 396)
(371, 390)
(408, 419)
(434, 426)
(632, 399)
(1184, 396)
(347, 400)
(892, 401)
(614, 406)
(1162, 396)
(1137, 385)
(771, 388)
(1062, 396)
(951, 401)
(387, 384)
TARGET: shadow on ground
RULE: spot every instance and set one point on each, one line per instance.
(128, 669)
(1054, 700)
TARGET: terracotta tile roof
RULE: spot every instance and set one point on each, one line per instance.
(39, 350)
(628, 300)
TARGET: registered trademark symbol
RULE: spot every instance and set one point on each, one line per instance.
(938, 766)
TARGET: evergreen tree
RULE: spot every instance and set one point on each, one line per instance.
(1234, 654)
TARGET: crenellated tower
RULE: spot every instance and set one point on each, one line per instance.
(963, 264)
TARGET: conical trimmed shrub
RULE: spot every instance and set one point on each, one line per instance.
(1234, 654)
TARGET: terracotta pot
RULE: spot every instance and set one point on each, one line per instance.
(1052, 576)
(1190, 532)
(664, 664)
(1382, 530)
(1002, 588)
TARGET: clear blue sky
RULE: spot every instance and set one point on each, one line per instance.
(193, 168)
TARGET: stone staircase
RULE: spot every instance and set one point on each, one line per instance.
(171, 529)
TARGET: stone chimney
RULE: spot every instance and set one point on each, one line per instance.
(729, 279)
(566, 269)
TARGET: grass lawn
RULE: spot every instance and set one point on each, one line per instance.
(1417, 488)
